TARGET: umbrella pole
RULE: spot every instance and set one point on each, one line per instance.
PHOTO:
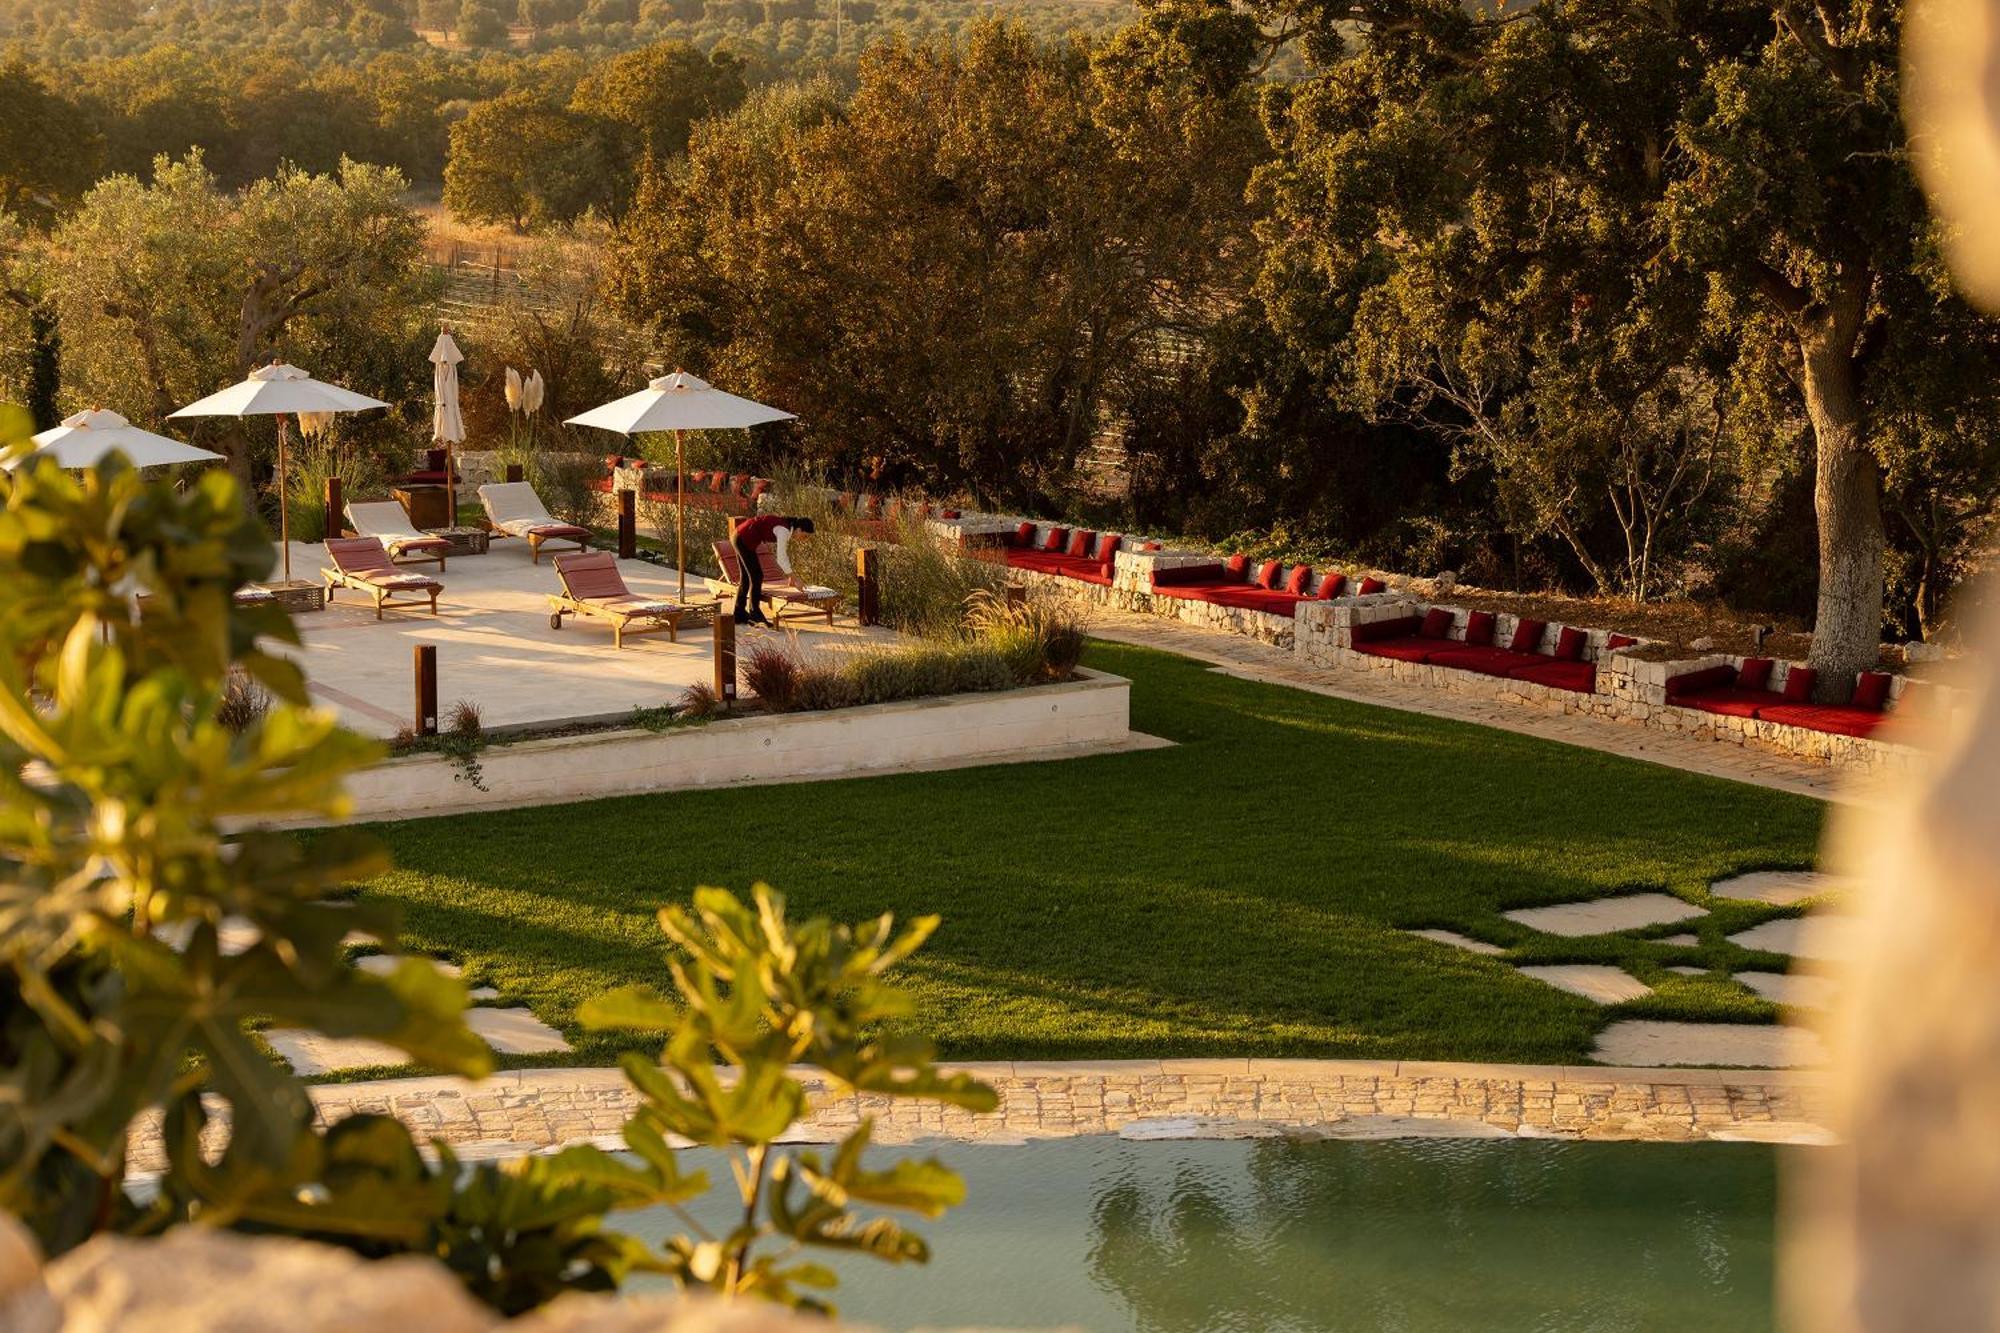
(284, 512)
(680, 516)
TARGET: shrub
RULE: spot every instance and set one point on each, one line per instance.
(308, 467)
(463, 721)
(920, 670)
(772, 672)
(244, 703)
(699, 700)
(1041, 637)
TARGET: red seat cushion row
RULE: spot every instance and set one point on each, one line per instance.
(1841, 720)
(1272, 601)
(1379, 631)
(1437, 624)
(1528, 635)
(1559, 674)
(1299, 580)
(1570, 643)
(1482, 658)
(1729, 700)
(1479, 628)
(1871, 691)
(1407, 648)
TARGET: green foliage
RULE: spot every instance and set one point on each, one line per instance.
(309, 466)
(120, 640)
(1041, 637)
(758, 996)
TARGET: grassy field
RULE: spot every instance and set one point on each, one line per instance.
(1240, 893)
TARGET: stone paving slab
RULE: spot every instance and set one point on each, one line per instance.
(1822, 938)
(1778, 888)
(1458, 941)
(1655, 1042)
(1792, 988)
(1596, 982)
(508, 1031)
(1681, 941)
(532, 1109)
(1601, 916)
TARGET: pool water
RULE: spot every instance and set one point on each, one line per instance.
(1287, 1236)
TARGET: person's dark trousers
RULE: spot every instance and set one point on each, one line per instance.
(750, 590)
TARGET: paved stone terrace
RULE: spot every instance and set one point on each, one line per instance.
(1253, 660)
(522, 1110)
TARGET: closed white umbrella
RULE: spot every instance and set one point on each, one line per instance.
(447, 422)
(84, 439)
(280, 390)
(679, 402)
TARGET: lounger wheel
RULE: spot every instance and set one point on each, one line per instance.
(555, 620)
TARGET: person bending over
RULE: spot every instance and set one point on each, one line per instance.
(750, 534)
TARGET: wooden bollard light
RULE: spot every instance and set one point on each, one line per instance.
(725, 658)
(868, 577)
(427, 689)
(1017, 596)
(336, 516)
(628, 525)
(515, 472)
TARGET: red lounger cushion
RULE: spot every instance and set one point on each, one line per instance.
(1570, 643)
(1755, 673)
(1695, 682)
(1528, 635)
(1299, 580)
(1841, 720)
(1330, 587)
(1483, 658)
(1558, 674)
(1406, 649)
(1871, 692)
(1437, 624)
(1730, 700)
(1479, 628)
(1799, 682)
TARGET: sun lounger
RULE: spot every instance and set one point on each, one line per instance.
(592, 586)
(781, 590)
(514, 510)
(362, 563)
(385, 521)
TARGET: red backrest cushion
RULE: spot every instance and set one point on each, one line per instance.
(1024, 534)
(1479, 628)
(1079, 542)
(725, 555)
(1371, 585)
(1054, 541)
(1528, 635)
(1613, 642)
(1570, 643)
(1301, 575)
(1799, 682)
(358, 555)
(1236, 567)
(1754, 674)
(758, 485)
(1108, 547)
(1871, 691)
(1267, 574)
(1332, 585)
(1437, 624)
(592, 574)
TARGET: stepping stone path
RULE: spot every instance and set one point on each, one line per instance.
(1457, 941)
(508, 1031)
(1604, 915)
(1806, 992)
(1683, 941)
(381, 964)
(1778, 888)
(1684, 970)
(1650, 1043)
(1595, 982)
(1824, 939)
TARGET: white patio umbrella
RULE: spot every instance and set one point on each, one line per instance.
(678, 402)
(278, 390)
(83, 441)
(447, 422)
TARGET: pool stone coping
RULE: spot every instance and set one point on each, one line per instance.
(524, 1110)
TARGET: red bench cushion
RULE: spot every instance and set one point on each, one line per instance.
(1330, 587)
(1370, 586)
(1730, 700)
(1755, 673)
(1081, 541)
(1528, 635)
(1437, 624)
(1570, 642)
(1299, 580)
(1799, 682)
(1483, 658)
(1871, 692)
(1267, 575)
(1236, 568)
(1409, 648)
(1479, 628)
(1840, 719)
(1558, 674)
(1054, 541)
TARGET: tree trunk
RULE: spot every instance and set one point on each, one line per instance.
(1847, 497)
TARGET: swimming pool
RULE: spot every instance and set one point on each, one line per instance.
(1292, 1236)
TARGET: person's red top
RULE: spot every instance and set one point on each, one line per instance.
(754, 532)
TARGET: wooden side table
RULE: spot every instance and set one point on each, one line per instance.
(427, 506)
(464, 541)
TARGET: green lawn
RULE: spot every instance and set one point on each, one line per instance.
(1239, 893)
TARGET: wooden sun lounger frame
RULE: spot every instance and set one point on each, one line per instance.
(395, 543)
(497, 529)
(784, 594)
(384, 595)
(662, 615)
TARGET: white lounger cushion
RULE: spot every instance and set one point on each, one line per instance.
(514, 507)
(383, 518)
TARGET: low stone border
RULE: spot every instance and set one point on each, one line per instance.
(522, 1110)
